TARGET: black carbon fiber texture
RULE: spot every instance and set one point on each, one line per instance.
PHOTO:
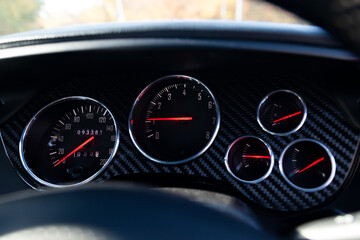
(238, 97)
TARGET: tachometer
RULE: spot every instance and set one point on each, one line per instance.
(69, 142)
(175, 119)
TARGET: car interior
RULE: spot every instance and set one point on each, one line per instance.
(183, 129)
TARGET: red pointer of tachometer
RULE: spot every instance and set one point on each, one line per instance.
(255, 156)
(75, 150)
(314, 163)
(286, 117)
(170, 119)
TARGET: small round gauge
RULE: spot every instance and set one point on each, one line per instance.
(249, 159)
(281, 113)
(69, 142)
(307, 165)
(174, 120)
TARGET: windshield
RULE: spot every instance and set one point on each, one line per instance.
(24, 15)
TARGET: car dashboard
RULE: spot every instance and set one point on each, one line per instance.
(244, 69)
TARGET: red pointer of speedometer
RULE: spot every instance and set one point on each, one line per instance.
(75, 150)
(170, 119)
(314, 163)
(286, 117)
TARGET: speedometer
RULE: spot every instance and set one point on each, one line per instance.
(69, 142)
(174, 120)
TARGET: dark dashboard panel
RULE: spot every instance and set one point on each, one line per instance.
(238, 94)
(240, 65)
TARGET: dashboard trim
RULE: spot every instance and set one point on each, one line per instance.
(164, 43)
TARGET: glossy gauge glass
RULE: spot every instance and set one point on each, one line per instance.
(281, 112)
(307, 165)
(174, 120)
(69, 142)
(249, 159)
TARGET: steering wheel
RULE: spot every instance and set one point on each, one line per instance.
(112, 212)
(339, 17)
(108, 211)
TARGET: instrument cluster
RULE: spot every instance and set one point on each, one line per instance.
(176, 124)
(173, 120)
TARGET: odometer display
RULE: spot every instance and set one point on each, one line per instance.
(69, 142)
(174, 120)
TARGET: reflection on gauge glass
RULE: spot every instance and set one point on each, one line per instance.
(281, 112)
(307, 165)
(249, 159)
(175, 119)
(69, 142)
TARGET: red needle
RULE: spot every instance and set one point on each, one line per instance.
(75, 150)
(314, 163)
(255, 156)
(286, 117)
(170, 119)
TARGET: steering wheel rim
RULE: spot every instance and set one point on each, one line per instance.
(117, 212)
(339, 17)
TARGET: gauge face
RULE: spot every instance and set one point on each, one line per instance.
(174, 120)
(281, 112)
(307, 165)
(249, 159)
(69, 142)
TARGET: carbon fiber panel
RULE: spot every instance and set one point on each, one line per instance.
(238, 97)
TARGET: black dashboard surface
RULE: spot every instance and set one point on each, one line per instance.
(239, 74)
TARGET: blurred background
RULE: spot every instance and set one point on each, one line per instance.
(24, 15)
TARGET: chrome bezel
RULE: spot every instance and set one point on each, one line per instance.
(332, 160)
(286, 133)
(272, 159)
(211, 140)
(30, 123)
